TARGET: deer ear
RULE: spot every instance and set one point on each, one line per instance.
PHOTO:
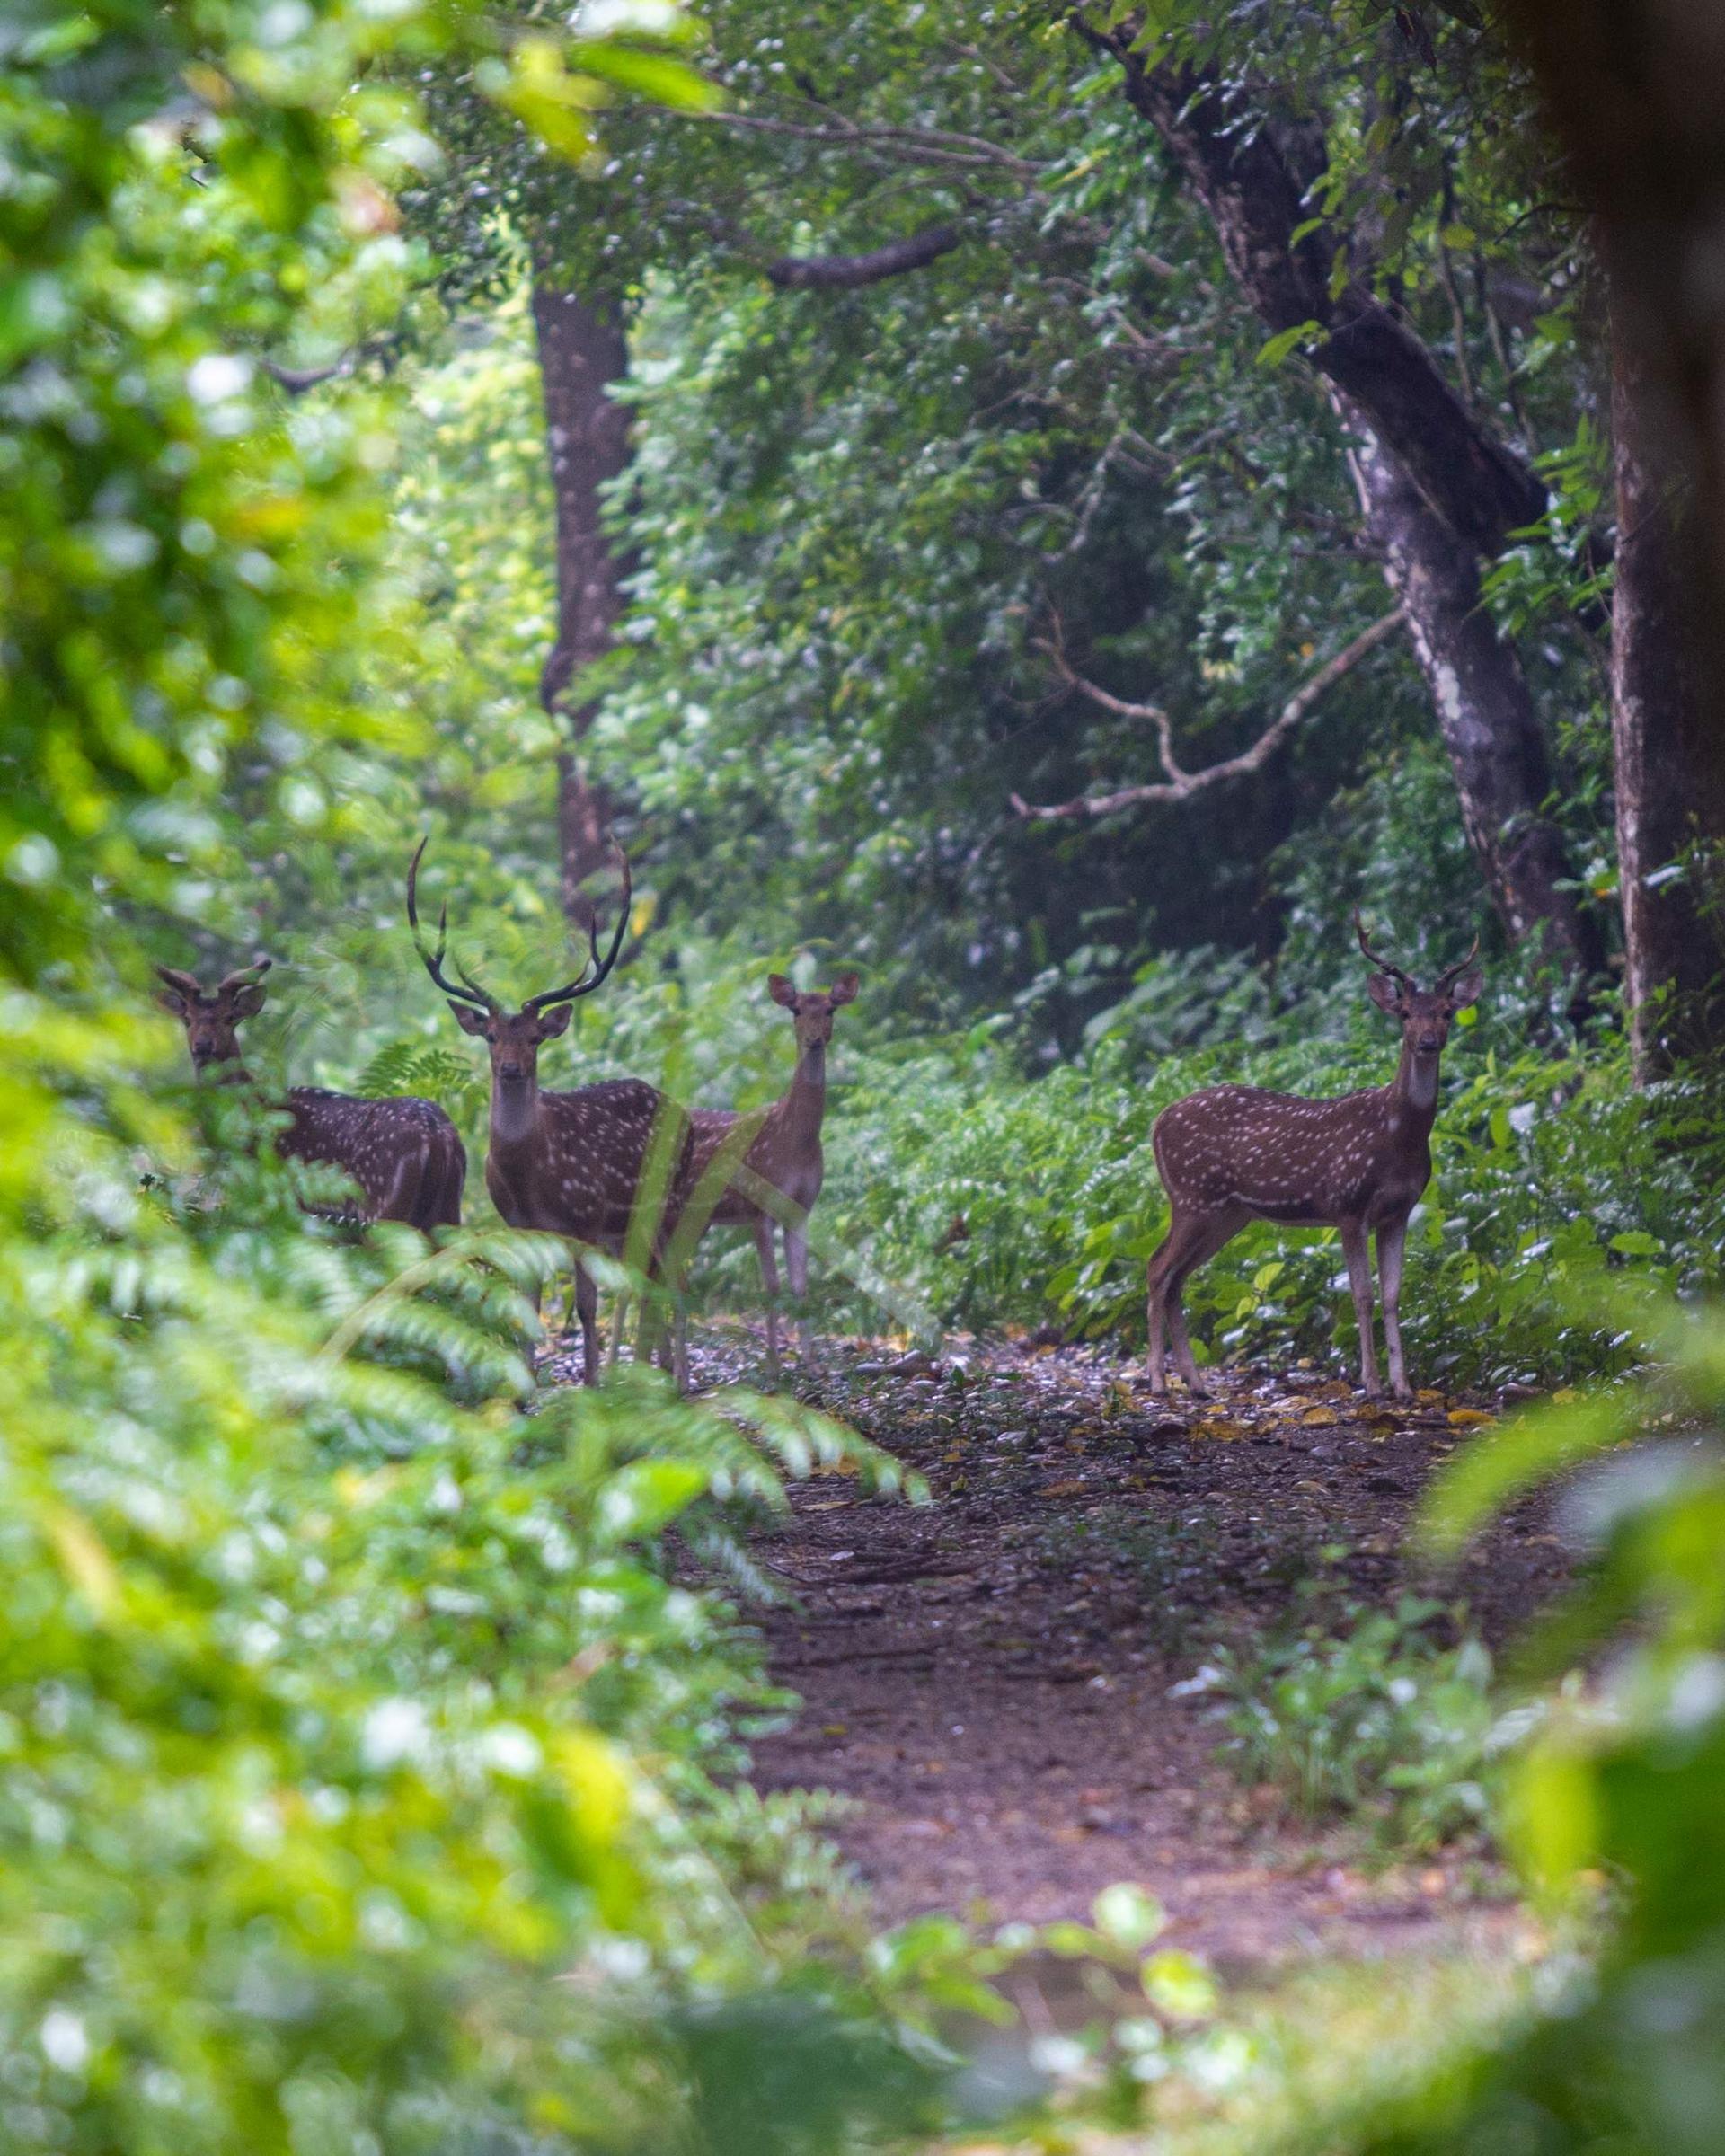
(1467, 990)
(554, 1020)
(1386, 994)
(781, 990)
(844, 989)
(246, 1001)
(469, 1020)
(172, 1003)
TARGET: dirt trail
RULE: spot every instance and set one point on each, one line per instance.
(988, 1678)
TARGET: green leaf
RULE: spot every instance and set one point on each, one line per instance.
(1276, 348)
(1180, 1985)
(1127, 1916)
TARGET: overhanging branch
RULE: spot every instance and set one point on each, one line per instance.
(846, 272)
(1180, 784)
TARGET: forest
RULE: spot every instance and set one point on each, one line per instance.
(734, 743)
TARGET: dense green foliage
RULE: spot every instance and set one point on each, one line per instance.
(368, 1720)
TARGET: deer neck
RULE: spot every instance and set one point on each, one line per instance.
(1413, 1093)
(515, 1110)
(804, 1100)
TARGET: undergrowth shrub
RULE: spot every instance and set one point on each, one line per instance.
(1368, 1717)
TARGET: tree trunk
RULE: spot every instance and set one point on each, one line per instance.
(1485, 710)
(1669, 755)
(583, 351)
(1439, 490)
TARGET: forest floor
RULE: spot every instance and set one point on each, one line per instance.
(993, 1679)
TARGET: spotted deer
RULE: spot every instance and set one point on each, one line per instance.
(569, 1164)
(785, 1149)
(1233, 1153)
(403, 1153)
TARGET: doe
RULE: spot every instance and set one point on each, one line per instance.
(1234, 1153)
(404, 1154)
(785, 1148)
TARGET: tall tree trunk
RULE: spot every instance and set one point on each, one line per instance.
(1440, 489)
(1668, 751)
(583, 351)
(1485, 710)
(1638, 95)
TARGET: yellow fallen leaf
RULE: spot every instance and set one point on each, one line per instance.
(1467, 1418)
(1315, 1416)
(1565, 1396)
(1064, 1490)
(1222, 1429)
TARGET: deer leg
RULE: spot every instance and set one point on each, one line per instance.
(796, 1265)
(586, 1309)
(769, 1261)
(1359, 1279)
(1392, 1242)
(1191, 1240)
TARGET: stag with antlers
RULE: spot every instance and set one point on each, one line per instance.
(782, 1148)
(404, 1154)
(569, 1164)
(1233, 1153)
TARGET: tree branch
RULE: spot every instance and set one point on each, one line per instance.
(1180, 784)
(297, 380)
(846, 272)
(915, 145)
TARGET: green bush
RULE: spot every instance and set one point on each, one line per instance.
(1369, 1714)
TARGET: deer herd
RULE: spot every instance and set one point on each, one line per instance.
(618, 1165)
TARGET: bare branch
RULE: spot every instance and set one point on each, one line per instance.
(846, 272)
(917, 146)
(1181, 785)
(297, 380)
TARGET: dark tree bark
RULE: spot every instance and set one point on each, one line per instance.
(1668, 752)
(1638, 95)
(1254, 178)
(846, 272)
(583, 351)
(1485, 710)
(1441, 491)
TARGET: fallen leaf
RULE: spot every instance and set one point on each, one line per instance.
(1467, 1418)
(1222, 1429)
(1063, 1490)
(835, 1730)
(1314, 1416)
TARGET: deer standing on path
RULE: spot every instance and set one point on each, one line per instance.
(569, 1164)
(786, 1149)
(404, 1154)
(1233, 1153)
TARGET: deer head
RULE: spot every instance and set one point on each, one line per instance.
(211, 1017)
(812, 1011)
(513, 1038)
(1424, 1013)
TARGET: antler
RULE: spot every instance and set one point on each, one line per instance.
(243, 976)
(480, 998)
(1461, 966)
(1384, 965)
(581, 984)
